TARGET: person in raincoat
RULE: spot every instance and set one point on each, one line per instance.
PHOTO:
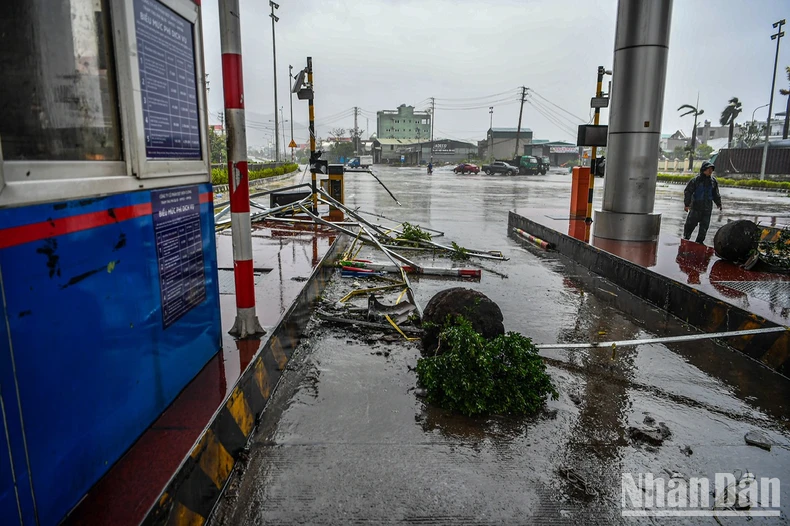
(700, 195)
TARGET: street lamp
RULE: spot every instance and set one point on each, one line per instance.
(491, 131)
(274, 56)
(291, 96)
(776, 36)
(757, 108)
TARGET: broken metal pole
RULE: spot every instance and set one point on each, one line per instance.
(391, 255)
(328, 199)
(667, 339)
(357, 210)
(471, 252)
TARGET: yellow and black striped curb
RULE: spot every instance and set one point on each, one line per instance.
(683, 301)
(770, 233)
(196, 487)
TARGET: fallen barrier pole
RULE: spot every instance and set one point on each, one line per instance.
(667, 339)
(357, 210)
(428, 271)
(324, 316)
(471, 252)
(392, 255)
(545, 245)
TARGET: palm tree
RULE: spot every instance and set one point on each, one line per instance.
(692, 111)
(728, 116)
(786, 92)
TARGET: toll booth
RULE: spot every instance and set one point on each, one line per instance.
(108, 268)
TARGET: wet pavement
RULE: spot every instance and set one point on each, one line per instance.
(345, 440)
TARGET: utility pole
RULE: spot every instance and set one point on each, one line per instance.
(311, 127)
(593, 158)
(274, 56)
(282, 129)
(491, 131)
(356, 132)
(520, 113)
(222, 124)
(291, 97)
(776, 36)
(433, 121)
(246, 324)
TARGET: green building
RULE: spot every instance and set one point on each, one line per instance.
(403, 123)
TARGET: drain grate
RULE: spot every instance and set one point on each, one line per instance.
(227, 285)
(775, 292)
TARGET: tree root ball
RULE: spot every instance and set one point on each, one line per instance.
(736, 240)
(485, 315)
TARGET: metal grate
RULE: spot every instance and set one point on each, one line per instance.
(227, 284)
(775, 292)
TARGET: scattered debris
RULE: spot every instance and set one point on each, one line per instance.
(475, 375)
(361, 323)
(576, 399)
(759, 439)
(580, 485)
(399, 312)
(686, 450)
(650, 435)
(649, 420)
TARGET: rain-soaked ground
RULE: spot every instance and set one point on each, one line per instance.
(345, 439)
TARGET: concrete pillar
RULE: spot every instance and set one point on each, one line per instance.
(641, 48)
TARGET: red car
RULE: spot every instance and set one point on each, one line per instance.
(466, 168)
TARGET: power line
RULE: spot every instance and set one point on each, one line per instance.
(558, 124)
(499, 103)
(559, 116)
(510, 91)
(558, 107)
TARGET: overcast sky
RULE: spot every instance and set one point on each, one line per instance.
(378, 54)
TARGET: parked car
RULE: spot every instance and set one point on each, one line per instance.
(499, 167)
(466, 168)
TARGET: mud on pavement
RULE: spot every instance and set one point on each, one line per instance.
(346, 439)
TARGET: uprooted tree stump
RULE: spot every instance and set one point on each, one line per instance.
(736, 240)
(479, 309)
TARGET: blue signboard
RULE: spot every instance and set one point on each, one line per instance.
(168, 86)
(179, 250)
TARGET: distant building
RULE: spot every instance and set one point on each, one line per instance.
(503, 142)
(673, 141)
(403, 123)
(777, 125)
(558, 152)
(411, 151)
(706, 132)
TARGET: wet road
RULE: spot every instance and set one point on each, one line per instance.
(346, 441)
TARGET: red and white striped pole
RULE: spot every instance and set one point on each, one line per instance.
(247, 323)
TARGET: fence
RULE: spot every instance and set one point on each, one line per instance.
(251, 166)
(745, 162)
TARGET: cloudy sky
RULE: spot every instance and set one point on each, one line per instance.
(469, 55)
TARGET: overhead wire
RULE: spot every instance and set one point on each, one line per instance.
(558, 124)
(580, 119)
(477, 98)
(559, 116)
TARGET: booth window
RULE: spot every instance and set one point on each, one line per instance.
(58, 96)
